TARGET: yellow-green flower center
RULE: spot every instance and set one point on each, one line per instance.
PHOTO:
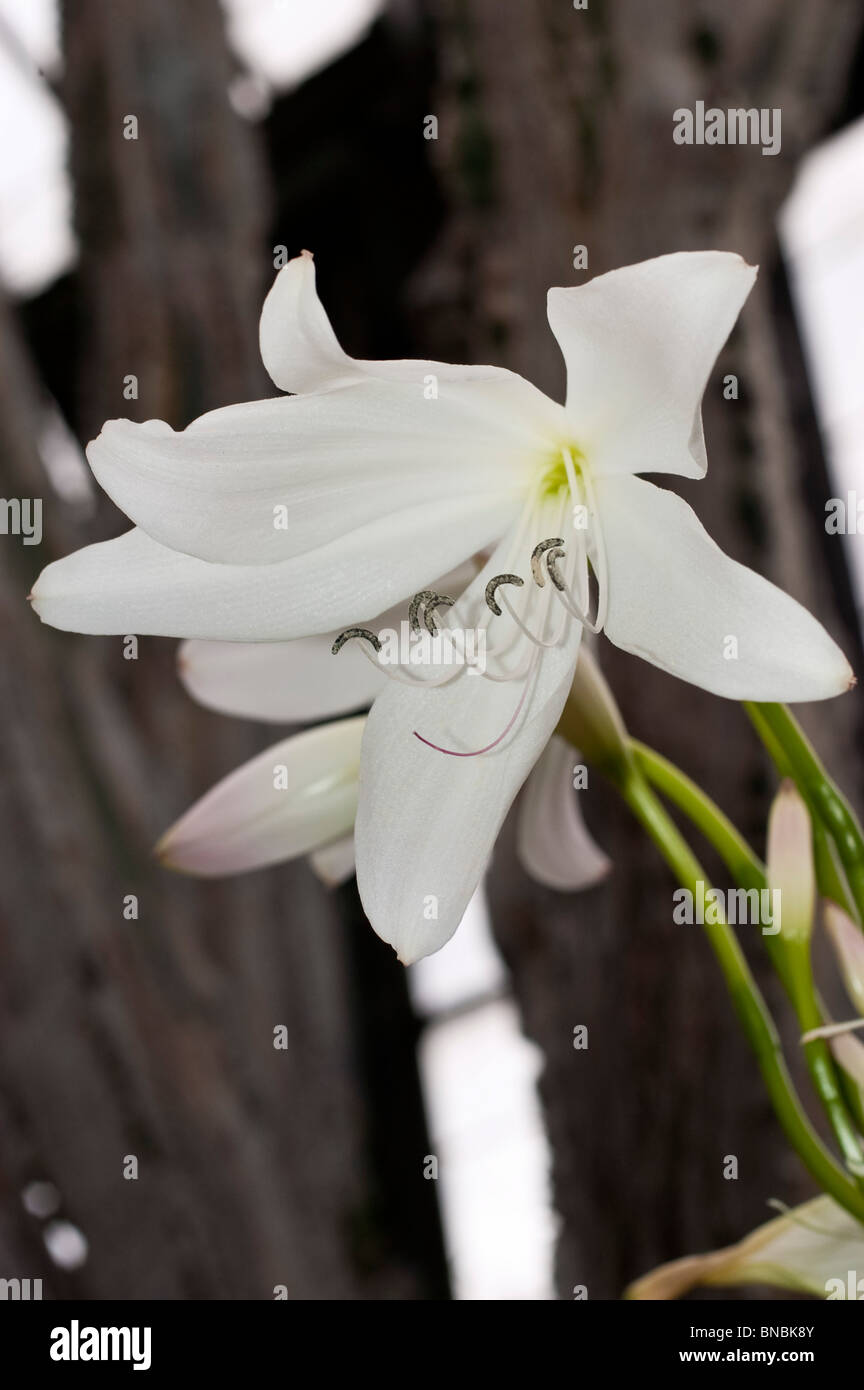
(554, 478)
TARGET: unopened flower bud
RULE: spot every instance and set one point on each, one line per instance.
(848, 942)
(789, 862)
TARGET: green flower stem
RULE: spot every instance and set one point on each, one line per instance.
(828, 875)
(820, 1060)
(743, 864)
(790, 959)
(853, 1097)
(747, 999)
(745, 867)
(820, 792)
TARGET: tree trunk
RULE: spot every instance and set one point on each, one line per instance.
(555, 131)
(151, 1037)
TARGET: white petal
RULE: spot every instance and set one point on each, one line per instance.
(301, 351)
(293, 681)
(261, 482)
(427, 821)
(294, 798)
(678, 601)
(639, 344)
(134, 585)
(279, 681)
(334, 863)
(553, 841)
(298, 345)
(801, 1250)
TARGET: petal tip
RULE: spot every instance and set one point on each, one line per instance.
(328, 881)
(163, 853)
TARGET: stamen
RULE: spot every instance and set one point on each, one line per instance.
(576, 611)
(602, 568)
(455, 753)
(832, 1030)
(536, 555)
(552, 559)
(554, 550)
(493, 585)
(596, 558)
(402, 677)
(427, 599)
(570, 470)
(552, 556)
(351, 632)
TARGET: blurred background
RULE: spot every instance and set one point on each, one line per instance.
(268, 124)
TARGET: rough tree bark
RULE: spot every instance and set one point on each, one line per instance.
(556, 130)
(155, 1037)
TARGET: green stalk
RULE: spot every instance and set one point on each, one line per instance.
(745, 867)
(821, 793)
(790, 959)
(829, 876)
(747, 999)
(820, 1060)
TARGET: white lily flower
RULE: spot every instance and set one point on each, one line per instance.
(383, 487)
(284, 518)
(810, 1249)
(300, 796)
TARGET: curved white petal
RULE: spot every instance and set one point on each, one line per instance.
(805, 1250)
(293, 681)
(427, 821)
(134, 585)
(334, 863)
(678, 601)
(279, 681)
(260, 482)
(553, 841)
(294, 798)
(301, 352)
(298, 346)
(639, 344)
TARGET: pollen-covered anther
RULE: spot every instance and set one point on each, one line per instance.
(428, 600)
(537, 554)
(351, 632)
(552, 558)
(492, 587)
